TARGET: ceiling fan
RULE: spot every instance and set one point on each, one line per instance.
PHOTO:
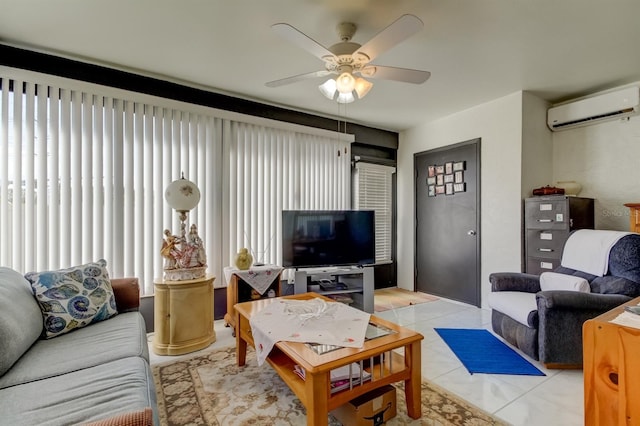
(352, 61)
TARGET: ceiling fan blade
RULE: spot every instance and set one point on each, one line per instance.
(397, 74)
(401, 29)
(307, 43)
(296, 78)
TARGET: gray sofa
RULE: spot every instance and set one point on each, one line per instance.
(548, 326)
(96, 374)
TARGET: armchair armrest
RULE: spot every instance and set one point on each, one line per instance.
(561, 316)
(127, 294)
(514, 281)
(575, 300)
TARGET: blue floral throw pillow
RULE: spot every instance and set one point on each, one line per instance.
(74, 297)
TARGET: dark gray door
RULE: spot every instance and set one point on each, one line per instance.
(447, 246)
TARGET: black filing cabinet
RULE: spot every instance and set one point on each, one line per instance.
(548, 220)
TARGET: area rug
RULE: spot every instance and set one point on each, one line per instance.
(209, 389)
(482, 352)
(385, 299)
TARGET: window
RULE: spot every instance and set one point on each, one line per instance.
(91, 172)
(83, 170)
(373, 191)
(271, 170)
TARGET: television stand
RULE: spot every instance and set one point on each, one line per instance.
(355, 282)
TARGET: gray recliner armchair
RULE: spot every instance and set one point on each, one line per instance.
(543, 315)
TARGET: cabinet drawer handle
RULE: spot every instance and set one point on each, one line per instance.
(545, 249)
(545, 220)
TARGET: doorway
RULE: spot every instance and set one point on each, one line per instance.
(447, 225)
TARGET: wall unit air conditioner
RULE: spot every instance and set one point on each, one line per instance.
(607, 106)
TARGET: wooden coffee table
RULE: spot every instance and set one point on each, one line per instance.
(391, 358)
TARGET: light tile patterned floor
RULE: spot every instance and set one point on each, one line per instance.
(554, 399)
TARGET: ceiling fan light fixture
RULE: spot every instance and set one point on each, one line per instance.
(362, 87)
(345, 98)
(346, 58)
(345, 83)
(328, 88)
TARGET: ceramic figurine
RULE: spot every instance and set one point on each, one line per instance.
(184, 257)
(243, 259)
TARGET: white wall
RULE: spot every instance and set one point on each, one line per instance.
(518, 154)
(499, 125)
(605, 159)
(537, 145)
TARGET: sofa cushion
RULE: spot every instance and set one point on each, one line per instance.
(121, 336)
(81, 396)
(74, 297)
(519, 305)
(20, 318)
(555, 281)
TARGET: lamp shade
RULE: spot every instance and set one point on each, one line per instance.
(345, 83)
(328, 88)
(345, 98)
(362, 87)
(182, 195)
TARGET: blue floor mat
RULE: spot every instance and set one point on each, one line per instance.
(482, 352)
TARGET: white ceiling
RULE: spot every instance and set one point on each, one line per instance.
(476, 50)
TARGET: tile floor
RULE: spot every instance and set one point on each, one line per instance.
(554, 399)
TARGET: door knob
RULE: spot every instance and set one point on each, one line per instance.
(471, 232)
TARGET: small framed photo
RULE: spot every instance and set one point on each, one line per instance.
(459, 165)
(448, 188)
(431, 171)
(431, 180)
(459, 176)
(448, 178)
(448, 167)
(439, 179)
(459, 187)
(439, 170)
(431, 191)
(439, 189)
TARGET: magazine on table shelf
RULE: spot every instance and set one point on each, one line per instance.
(340, 376)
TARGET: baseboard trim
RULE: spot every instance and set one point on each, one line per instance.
(558, 366)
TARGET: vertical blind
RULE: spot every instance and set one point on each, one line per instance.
(271, 170)
(82, 177)
(373, 191)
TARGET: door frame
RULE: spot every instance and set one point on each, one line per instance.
(478, 276)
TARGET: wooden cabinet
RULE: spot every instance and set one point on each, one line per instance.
(611, 371)
(548, 221)
(634, 216)
(183, 316)
(240, 287)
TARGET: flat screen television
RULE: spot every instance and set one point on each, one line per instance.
(315, 238)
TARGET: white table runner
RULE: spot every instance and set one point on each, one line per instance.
(307, 321)
(258, 277)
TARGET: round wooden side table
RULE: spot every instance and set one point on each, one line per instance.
(183, 316)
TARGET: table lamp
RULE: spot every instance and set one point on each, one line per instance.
(182, 195)
(184, 254)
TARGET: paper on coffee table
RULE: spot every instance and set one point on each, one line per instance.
(307, 321)
(627, 319)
